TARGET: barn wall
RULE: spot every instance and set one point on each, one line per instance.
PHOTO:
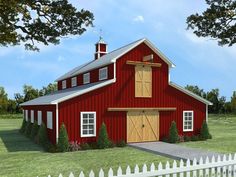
(44, 109)
(122, 94)
(94, 77)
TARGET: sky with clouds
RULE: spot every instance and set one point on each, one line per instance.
(199, 61)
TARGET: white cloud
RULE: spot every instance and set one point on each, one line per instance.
(139, 18)
(61, 58)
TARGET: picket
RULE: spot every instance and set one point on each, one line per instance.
(214, 167)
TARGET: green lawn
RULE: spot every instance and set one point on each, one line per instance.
(223, 130)
(20, 157)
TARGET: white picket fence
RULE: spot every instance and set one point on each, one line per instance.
(215, 167)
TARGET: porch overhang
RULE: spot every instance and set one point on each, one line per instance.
(143, 109)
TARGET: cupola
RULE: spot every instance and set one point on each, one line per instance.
(100, 48)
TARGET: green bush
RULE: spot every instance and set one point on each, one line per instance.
(121, 143)
(85, 146)
(43, 136)
(51, 147)
(204, 133)
(195, 138)
(28, 129)
(34, 130)
(23, 126)
(63, 142)
(165, 139)
(103, 140)
(173, 133)
(187, 138)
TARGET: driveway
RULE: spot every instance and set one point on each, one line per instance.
(174, 151)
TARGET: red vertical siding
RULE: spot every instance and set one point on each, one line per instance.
(121, 94)
(44, 109)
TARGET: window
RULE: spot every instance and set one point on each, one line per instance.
(143, 81)
(26, 115)
(103, 73)
(73, 82)
(49, 120)
(32, 116)
(88, 124)
(64, 84)
(86, 78)
(188, 121)
(39, 117)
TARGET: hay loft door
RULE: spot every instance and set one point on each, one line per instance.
(142, 126)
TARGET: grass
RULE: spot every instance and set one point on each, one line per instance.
(21, 157)
(223, 131)
(11, 116)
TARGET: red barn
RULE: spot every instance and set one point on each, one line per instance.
(128, 89)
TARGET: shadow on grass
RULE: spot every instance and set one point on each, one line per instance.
(14, 141)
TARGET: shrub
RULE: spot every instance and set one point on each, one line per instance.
(181, 138)
(204, 133)
(23, 126)
(173, 133)
(63, 143)
(165, 139)
(34, 130)
(121, 143)
(43, 136)
(51, 147)
(85, 146)
(93, 145)
(112, 144)
(74, 146)
(187, 138)
(195, 138)
(103, 140)
(28, 129)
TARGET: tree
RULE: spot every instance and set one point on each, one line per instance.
(63, 141)
(204, 133)
(196, 90)
(233, 102)
(41, 21)
(48, 89)
(30, 93)
(173, 133)
(217, 21)
(103, 140)
(213, 96)
(3, 100)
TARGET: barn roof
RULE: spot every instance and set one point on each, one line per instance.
(62, 95)
(111, 57)
(190, 93)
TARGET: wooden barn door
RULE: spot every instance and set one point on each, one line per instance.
(142, 126)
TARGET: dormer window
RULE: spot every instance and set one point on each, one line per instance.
(103, 73)
(64, 84)
(73, 82)
(86, 78)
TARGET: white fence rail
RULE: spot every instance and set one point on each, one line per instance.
(215, 167)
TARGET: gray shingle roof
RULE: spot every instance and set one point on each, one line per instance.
(63, 95)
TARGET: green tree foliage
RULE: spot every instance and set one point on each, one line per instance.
(28, 129)
(195, 89)
(41, 21)
(173, 133)
(3, 100)
(63, 141)
(233, 102)
(103, 140)
(52, 87)
(43, 136)
(204, 133)
(217, 21)
(30, 93)
(34, 130)
(23, 126)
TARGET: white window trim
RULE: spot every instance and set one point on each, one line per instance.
(64, 84)
(84, 78)
(26, 115)
(32, 116)
(106, 76)
(51, 116)
(39, 115)
(188, 130)
(81, 124)
(73, 81)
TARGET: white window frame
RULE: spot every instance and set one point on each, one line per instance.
(81, 125)
(86, 78)
(191, 129)
(49, 120)
(32, 116)
(26, 115)
(101, 77)
(73, 81)
(64, 84)
(39, 117)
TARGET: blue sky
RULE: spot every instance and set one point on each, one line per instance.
(199, 61)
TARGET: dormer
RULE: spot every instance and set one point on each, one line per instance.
(100, 49)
